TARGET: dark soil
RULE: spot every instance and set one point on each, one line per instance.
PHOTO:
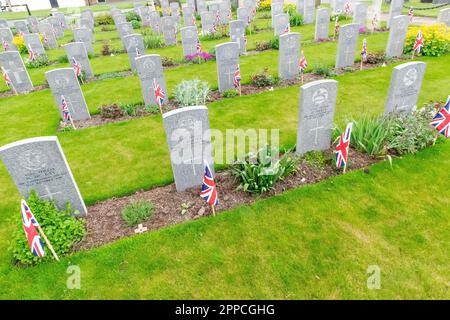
(105, 224)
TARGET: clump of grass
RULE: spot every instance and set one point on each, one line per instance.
(137, 211)
(230, 93)
(316, 159)
(263, 79)
(192, 93)
(324, 70)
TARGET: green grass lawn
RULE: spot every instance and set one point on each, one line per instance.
(417, 4)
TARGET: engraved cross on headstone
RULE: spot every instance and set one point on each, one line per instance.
(49, 194)
(316, 129)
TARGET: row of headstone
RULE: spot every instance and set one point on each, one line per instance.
(33, 41)
(12, 64)
(76, 53)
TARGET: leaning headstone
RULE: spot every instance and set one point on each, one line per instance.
(276, 8)
(243, 14)
(189, 140)
(404, 87)
(289, 56)
(78, 51)
(169, 30)
(134, 44)
(13, 65)
(207, 22)
(281, 24)
(49, 36)
(4, 23)
(189, 39)
(33, 41)
(149, 68)
(360, 14)
(21, 27)
(62, 20)
(237, 34)
(188, 17)
(316, 114)
(397, 36)
(84, 35)
(155, 22)
(56, 25)
(444, 16)
(308, 15)
(322, 24)
(64, 83)
(39, 165)
(6, 38)
(348, 37)
(394, 10)
(33, 24)
(227, 60)
(301, 7)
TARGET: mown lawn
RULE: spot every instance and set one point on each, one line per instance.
(433, 13)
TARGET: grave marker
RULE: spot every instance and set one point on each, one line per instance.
(49, 36)
(322, 24)
(6, 37)
(237, 34)
(309, 8)
(348, 37)
(78, 51)
(33, 40)
(395, 9)
(227, 60)
(189, 38)
(169, 30)
(84, 35)
(289, 56)
(397, 36)
(134, 44)
(149, 68)
(12, 63)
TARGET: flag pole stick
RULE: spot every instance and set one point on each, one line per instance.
(213, 210)
(73, 124)
(48, 243)
(302, 76)
(160, 106)
(412, 57)
(361, 66)
(345, 169)
(240, 90)
(14, 89)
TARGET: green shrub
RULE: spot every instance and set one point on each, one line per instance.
(275, 43)
(256, 173)
(113, 111)
(376, 57)
(62, 59)
(192, 93)
(61, 228)
(107, 28)
(39, 61)
(436, 40)
(230, 93)
(263, 79)
(103, 19)
(152, 109)
(137, 211)
(324, 70)
(167, 61)
(295, 18)
(315, 159)
(153, 41)
(263, 45)
(136, 24)
(132, 16)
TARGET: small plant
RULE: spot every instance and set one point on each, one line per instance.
(111, 111)
(295, 19)
(137, 211)
(131, 109)
(152, 109)
(107, 28)
(212, 36)
(103, 19)
(106, 50)
(192, 93)
(259, 173)
(263, 79)
(153, 41)
(62, 229)
(230, 93)
(376, 58)
(275, 43)
(265, 5)
(185, 206)
(263, 45)
(39, 61)
(315, 159)
(436, 40)
(91, 55)
(62, 59)
(136, 24)
(199, 57)
(132, 16)
(324, 70)
(167, 61)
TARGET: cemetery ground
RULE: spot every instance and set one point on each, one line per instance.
(308, 242)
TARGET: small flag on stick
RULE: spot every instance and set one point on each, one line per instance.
(237, 79)
(411, 14)
(441, 121)
(8, 81)
(209, 189)
(159, 94)
(418, 44)
(342, 148)
(336, 27)
(302, 64)
(66, 112)
(363, 53)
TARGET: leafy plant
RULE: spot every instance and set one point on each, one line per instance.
(153, 41)
(295, 18)
(107, 28)
(213, 36)
(111, 111)
(20, 44)
(265, 5)
(136, 24)
(230, 93)
(39, 61)
(263, 45)
(192, 93)
(275, 43)
(258, 174)
(167, 61)
(199, 57)
(137, 211)
(152, 109)
(103, 19)
(315, 159)
(131, 109)
(376, 57)
(132, 16)
(436, 39)
(321, 69)
(61, 228)
(263, 79)
(106, 50)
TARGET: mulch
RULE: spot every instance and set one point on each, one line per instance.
(105, 224)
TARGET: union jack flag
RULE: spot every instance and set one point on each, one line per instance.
(29, 226)
(199, 47)
(5, 45)
(45, 39)
(194, 21)
(76, 67)
(230, 14)
(410, 14)
(237, 77)
(217, 16)
(214, 28)
(6, 77)
(65, 109)
(347, 8)
(287, 29)
(418, 44)
(364, 50)
(303, 63)
(375, 20)
(336, 25)
(343, 146)
(138, 53)
(441, 120)
(31, 55)
(209, 190)
(159, 92)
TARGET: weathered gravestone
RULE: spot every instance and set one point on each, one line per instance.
(87, 20)
(169, 30)
(84, 35)
(12, 63)
(33, 24)
(124, 29)
(21, 27)
(86, 23)
(175, 11)
(308, 15)
(189, 140)
(4, 23)
(49, 36)
(276, 8)
(7, 37)
(316, 114)
(119, 18)
(394, 10)
(360, 14)
(188, 17)
(404, 87)
(39, 164)
(62, 20)
(149, 68)
(189, 39)
(348, 37)
(225, 13)
(244, 15)
(64, 83)
(207, 22)
(78, 51)
(281, 24)
(397, 36)
(155, 22)
(301, 7)
(33, 41)
(227, 60)
(144, 13)
(237, 34)
(88, 13)
(57, 29)
(289, 56)
(322, 24)
(134, 44)
(444, 16)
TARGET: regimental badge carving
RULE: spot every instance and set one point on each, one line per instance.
(410, 77)
(320, 97)
(33, 160)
